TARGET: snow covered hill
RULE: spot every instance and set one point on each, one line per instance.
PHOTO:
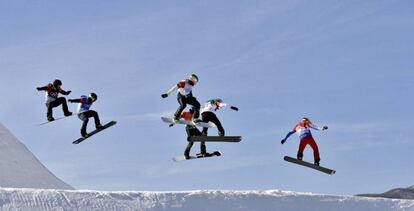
(397, 193)
(32, 199)
(19, 168)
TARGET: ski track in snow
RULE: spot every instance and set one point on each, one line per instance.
(41, 199)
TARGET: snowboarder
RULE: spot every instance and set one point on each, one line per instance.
(305, 135)
(185, 96)
(208, 115)
(52, 100)
(84, 112)
(193, 131)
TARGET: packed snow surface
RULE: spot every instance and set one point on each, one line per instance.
(19, 168)
(36, 199)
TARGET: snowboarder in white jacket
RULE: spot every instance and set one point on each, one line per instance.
(208, 114)
(185, 96)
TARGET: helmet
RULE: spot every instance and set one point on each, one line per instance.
(193, 78)
(57, 83)
(219, 100)
(93, 96)
(304, 119)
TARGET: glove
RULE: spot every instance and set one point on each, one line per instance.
(325, 127)
(68, 92)
(38, 88)
(283, 141)
(234, 108)
(70, 101)
(164, 95)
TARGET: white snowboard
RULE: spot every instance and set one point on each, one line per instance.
(185, 122)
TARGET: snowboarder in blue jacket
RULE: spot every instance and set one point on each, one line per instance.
(84, 112)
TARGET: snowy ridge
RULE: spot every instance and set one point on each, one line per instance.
(397, 193)
(36, 199)
(19, 168)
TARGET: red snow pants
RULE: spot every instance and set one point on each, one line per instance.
(304, 142)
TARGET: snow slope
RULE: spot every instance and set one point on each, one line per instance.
(19, 168)
(32, 199)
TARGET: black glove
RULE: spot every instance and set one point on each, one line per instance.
(70, 101)
(38, 88)
(234, 108)
(68, 92)
(283, 141)
(325, 127)
(164, 95)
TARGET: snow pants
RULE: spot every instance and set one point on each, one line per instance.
(84, 116)
(183, 101)
(304, 142)
(59, 101)
(209, 116)
(193, 131)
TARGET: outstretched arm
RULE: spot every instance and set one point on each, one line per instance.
(63, 92)
(287, 136)
(43, 88)
(315, 127)
(74, 100)
(170, 91)
(224, 105)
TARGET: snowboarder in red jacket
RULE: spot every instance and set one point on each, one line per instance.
(193, 131)
(305, 135)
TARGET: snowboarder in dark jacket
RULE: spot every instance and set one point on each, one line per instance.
(193, 131)
(185, 96)
(53, 100)
(84, 112)
(208, 115)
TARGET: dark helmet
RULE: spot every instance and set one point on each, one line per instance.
(193, 78)
(219, 100)
(57, 83)
(93, 96)
(304, 119)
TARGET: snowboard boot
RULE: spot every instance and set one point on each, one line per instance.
(187, 157)
(299, 157)
(195, 121)
(316, 162)
(216, 153)
(99, 127)
(68, 113)
(175, 119)
(84, 135)
(50, 118)
(203, 154)
(220, 134)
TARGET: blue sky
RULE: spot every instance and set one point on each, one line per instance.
(346, 64)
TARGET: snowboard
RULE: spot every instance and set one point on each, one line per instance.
(64, 117)
(182, 157)
(233, 139)
(185, 122)
(111, 123)
(310, 165)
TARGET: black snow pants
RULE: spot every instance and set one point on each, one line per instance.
(183, 101)
(59, 101)
(193, 131)
(209, 116)
(84, 116)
